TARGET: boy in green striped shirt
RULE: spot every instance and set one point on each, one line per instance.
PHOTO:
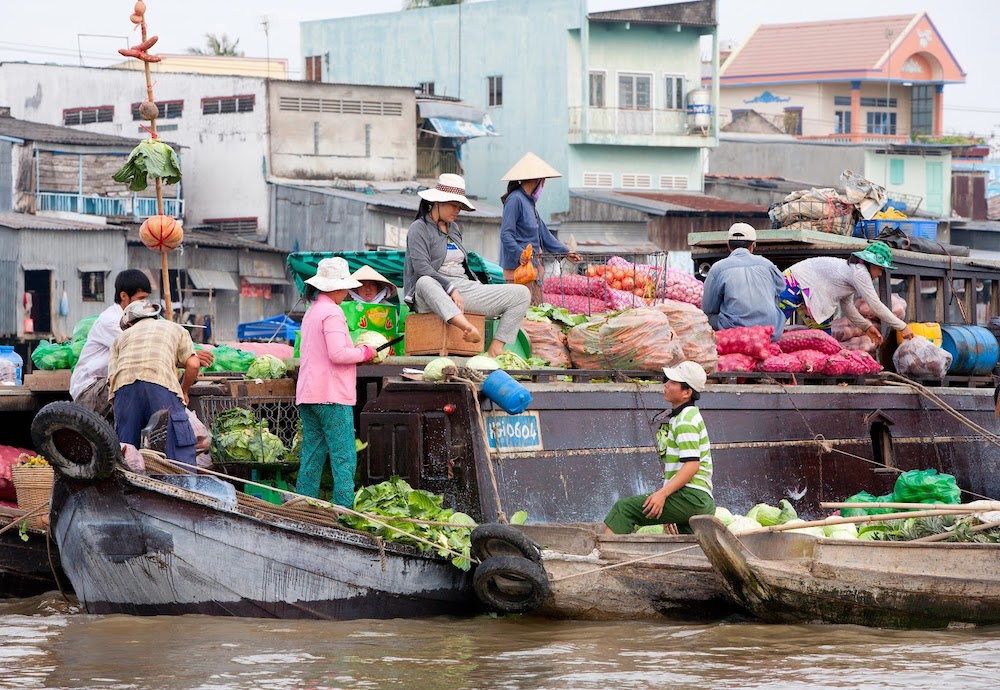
(683, 444)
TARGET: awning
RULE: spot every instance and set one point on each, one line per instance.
(94, 268)
(204, 279)
(461, 129)
(264, 280)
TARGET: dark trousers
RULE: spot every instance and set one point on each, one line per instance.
(137, 402)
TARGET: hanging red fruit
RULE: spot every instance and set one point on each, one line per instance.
(161, 233)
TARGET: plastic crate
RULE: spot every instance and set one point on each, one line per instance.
(924, 229)
(275, 328)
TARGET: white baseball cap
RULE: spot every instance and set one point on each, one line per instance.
(687, 372)
(742, 231)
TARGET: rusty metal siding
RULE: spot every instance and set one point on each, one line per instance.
(305, 221)
(64, 252)
(10, 294)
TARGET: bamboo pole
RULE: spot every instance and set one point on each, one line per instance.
(885, 517)
(975, 507)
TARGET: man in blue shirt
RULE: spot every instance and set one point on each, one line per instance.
(742, 289)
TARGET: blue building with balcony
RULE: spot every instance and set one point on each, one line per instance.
(613, 100)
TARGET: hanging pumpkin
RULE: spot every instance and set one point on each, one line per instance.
(161, 233)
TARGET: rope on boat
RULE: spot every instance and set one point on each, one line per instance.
(330, 506)
(624, 563)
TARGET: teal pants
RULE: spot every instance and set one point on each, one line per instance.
(328, 431)
(679, 507)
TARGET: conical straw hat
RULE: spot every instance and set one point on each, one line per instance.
(366, 273)
(531, 167)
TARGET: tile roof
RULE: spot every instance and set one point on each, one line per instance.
(847, 45)
(28, 221)
(54, 134)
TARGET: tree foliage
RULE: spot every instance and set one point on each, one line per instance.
(218, 45)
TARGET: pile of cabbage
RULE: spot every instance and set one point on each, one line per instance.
(764, 515)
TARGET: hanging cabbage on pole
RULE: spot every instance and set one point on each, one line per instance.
(151, 158)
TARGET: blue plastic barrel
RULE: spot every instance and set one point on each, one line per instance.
(511, 396)
(16, 363)
(974, 350)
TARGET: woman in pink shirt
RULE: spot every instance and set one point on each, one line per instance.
(326, 391)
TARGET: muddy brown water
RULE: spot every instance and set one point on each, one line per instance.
(47, 643)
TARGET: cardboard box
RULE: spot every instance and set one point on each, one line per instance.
(427, 334)
(41, 380)
(270, 388)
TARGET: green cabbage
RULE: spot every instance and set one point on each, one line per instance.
(374, 340)
(724, 515)
(512, 360)
(768, 516)
(266, 367)
(650, 529)
(845, 531)
(151, 158)
(519, 518)
(814, 531)
(741, 524)
(436, 369)
(482, 362)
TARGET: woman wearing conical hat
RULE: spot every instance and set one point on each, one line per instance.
(521, 225)
(375, 288)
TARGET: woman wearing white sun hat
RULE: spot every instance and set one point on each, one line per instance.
(326, 390)
(436, 273)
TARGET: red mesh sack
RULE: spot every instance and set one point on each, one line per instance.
(865, 359)
(576, 285)
(667, 283)
(862, 343)
(775, 363)
(843, 330)
(812, 360)
(641, 339)
(695, 333)
(576, 304)
(736, 362)
(774, 349)
(619, 300)
(843, 364)
(748, 340)
(809, 340)
(547, 341)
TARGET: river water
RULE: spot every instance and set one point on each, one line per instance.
(46, 642)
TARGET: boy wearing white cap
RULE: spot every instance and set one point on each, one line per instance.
(742, 289)
(682, 442)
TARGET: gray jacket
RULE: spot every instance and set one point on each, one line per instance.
(426, 248)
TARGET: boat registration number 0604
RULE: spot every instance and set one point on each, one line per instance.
(513, 432)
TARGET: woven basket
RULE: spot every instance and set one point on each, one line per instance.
(34, 488)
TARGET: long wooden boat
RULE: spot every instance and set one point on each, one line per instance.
(143, 545)
(797, 578)
(27, 568)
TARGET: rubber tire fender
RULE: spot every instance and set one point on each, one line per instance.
(511, 584)
(492, 539)
(77, 442)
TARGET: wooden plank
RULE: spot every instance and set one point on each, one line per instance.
(267, 389)
(40, 380)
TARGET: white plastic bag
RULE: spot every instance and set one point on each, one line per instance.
(203, 437)
(919, 357)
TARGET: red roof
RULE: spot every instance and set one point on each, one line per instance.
(848, 49)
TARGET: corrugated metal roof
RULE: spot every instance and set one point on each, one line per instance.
(213, 238)
(697, 13)
(405, 200)
(28, 221)
(54, 134)
(204, 279)
(658, 204)
(806, 47)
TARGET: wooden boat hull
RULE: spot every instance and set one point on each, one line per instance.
(132, 545)
(25, 569)
(796, 578)
(680, 583)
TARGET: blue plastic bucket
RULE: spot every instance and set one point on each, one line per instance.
(974, 350)
(511, 396)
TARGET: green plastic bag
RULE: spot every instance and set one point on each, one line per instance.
(865, 497)
(926, 486)
(230, 359)
(51, 356)
(82, 328)
(386, 319)
(76, 347)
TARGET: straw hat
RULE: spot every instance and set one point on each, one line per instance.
(531, 167)
(449, 188)
(369, 274)
(137, 311)
(333, 274)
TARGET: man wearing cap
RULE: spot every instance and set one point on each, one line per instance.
(742, 289)
(683, 445)
(142, 373)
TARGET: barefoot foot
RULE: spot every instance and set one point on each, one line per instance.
(471, 335)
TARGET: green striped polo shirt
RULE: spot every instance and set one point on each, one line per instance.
(685, 439)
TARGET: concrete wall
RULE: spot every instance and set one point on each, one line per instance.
(6, 176)
(223, 156)
(653, 161)
(377, 145)
(815, 164)
(927, 176)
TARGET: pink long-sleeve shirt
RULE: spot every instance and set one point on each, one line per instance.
(327, 358)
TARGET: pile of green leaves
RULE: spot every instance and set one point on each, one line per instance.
(397, 499)
(546, 313)
(266, 367)
(241, 437)
(151, 158)
(959, 527)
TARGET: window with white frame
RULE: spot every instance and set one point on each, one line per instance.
(605, 180)
(842, 122)
(597, 80)
(673, 92)
(636, 181)
(880, 122)
(426, 88)
(634, 91)
(495, 91)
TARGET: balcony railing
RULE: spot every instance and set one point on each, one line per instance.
(857, 138)
(626, 121)
(112, 207)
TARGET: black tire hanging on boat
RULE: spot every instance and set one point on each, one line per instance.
(492, 540)
(77, 442)
(510, 584)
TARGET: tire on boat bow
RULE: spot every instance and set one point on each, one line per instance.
(510, 584)
(77, 442)
(492, 540)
